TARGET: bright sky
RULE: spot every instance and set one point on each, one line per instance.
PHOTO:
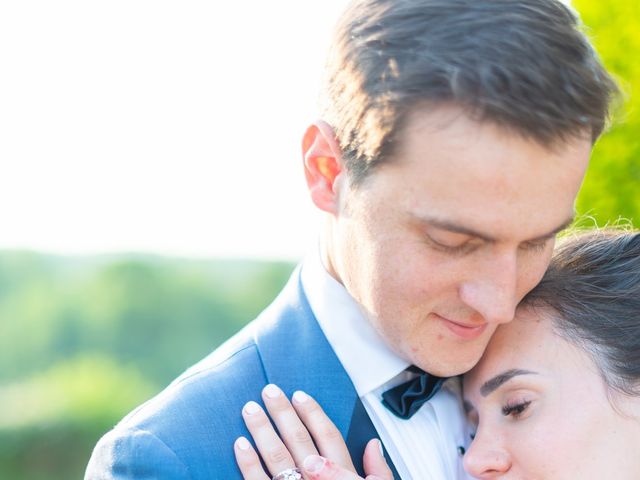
(157, 126)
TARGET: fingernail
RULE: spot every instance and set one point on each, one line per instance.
(300, 397)
(380, 448)
(272, 391)
(243, 444)
(251, 408)
(314, 463)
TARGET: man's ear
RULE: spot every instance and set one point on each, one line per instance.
(322, 165)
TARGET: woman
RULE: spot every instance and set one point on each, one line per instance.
(556, 394)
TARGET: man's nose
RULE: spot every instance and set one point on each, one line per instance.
(492, 289)
(485, 459)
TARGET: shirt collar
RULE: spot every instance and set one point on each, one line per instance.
(365, 356)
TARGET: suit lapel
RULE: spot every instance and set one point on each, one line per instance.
(297, 356)
(361, 431)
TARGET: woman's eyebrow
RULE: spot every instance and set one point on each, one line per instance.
(491, 385)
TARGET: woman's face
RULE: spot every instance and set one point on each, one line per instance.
(542, 411)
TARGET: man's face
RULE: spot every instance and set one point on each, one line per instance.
(439, 244)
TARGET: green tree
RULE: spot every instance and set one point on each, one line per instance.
(50, 422)
(612, 186)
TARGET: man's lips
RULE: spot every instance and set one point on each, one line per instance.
(466, 331)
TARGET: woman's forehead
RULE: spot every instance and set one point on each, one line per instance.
(525, 342)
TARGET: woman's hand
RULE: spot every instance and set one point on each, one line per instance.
(303, 425)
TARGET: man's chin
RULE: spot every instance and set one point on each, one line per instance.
(446, 368)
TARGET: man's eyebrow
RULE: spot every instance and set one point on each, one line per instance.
(455, 228)
(491, 385)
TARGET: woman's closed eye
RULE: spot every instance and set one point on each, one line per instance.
(516, 409)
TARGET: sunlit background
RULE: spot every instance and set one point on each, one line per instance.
(152, 198)
(157, 126)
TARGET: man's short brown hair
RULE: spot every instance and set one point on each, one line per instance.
(524, 65)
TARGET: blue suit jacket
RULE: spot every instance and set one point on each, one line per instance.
(188, 430)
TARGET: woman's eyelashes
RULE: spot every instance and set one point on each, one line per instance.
(515, 409)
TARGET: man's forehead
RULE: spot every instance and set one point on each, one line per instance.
(431, 116)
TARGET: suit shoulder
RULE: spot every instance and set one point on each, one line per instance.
(129, 453)
(194, 421)
(206, 385)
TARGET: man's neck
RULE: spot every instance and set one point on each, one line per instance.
(327, 253)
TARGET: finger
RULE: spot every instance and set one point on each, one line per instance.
(248, 460)
(270, 447)
(292, 431)
(375, 465)
(319, 468)
(325, 434)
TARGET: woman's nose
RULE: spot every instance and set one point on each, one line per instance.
(486, 459)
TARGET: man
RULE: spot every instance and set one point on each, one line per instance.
(453, 141)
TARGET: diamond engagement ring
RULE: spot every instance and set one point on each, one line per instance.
(289, 474)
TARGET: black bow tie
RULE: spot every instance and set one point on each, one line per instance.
(407, 398)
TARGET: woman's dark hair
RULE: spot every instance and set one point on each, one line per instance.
(524, 65)
(593, 289)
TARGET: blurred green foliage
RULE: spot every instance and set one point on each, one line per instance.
(50, 421)
(612, 187)
(84, 340)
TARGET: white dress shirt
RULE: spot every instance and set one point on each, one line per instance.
(424, 447)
